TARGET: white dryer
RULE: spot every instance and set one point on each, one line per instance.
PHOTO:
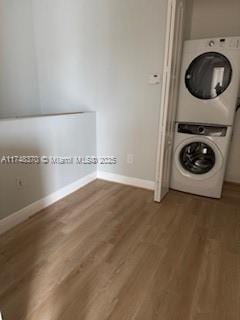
(210, 81)
(200, 157)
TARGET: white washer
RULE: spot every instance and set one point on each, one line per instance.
(200, 157)
(210, 81)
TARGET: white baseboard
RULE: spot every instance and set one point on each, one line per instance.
(134, 182)
(25, 213)
(230, 180)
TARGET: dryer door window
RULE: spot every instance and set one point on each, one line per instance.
(208, 76)
(197, 158)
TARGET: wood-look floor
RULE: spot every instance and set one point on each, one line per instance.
(109, 252)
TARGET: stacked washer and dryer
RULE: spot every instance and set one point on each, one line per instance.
(209, 88)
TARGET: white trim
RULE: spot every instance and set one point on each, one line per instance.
(165, 95)
(25, 213)
(134, 182)
(168, 108)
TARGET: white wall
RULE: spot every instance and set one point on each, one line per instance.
(48, 56)
(99, 54)
(66, 43)
(217, 18)
(131, 35)
(63, 136)
(18, 73)
(188, 18)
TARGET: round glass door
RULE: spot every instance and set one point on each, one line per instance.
(197, 158)
(208, 76)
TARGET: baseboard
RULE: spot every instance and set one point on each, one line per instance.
(232, 181)
(25, 213)
(135, 182)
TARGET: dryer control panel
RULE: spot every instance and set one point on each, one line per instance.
(228, 43)
(202, 130)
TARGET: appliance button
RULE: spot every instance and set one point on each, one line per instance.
(211, 43)
(201, 130)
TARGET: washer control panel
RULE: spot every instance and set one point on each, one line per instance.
(202, 130)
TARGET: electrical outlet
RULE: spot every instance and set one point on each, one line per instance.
(130, 158)
(19, 185)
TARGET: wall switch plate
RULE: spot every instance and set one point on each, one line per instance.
(154, 78)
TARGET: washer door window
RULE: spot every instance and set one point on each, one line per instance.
(209, 75)
(197, 158)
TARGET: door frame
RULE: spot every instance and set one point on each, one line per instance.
(173, 17)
